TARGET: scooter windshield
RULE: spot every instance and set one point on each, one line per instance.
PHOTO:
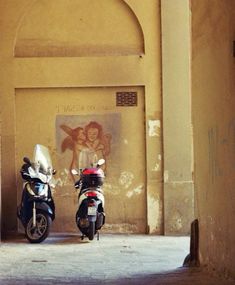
(42, 156)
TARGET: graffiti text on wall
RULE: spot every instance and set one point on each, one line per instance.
(69, 108)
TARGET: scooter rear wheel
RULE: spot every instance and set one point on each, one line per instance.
(40, 232)
(91, 231)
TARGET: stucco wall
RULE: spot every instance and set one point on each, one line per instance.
(122, 129)
(52, 44)
(213, 30)
(0, 176)
(177, 126)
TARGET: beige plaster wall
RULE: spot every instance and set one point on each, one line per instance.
(37, 56)
(123, 128)
(213, 89)
(177, 130)
(0, 176)
(83, 32)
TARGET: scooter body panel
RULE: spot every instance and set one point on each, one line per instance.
(91, 209)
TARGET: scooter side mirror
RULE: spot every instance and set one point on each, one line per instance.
(100, 162)
(50, 171)
(27, 160)
(74, 172)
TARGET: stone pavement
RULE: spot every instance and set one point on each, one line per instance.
(113, 260)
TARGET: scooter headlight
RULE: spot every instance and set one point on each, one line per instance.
(42, 189)
(39, 189)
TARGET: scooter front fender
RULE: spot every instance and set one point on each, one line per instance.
(46, 208)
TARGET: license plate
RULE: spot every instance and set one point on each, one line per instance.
(91, 211)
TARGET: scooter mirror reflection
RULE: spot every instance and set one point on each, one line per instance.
(100, 162)
(74, 172)
(27, 160)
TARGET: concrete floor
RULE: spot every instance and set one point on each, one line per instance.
(114, 259)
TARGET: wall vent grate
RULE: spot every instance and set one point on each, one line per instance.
(126, 99)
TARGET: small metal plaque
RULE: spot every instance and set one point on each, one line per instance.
(126, 99)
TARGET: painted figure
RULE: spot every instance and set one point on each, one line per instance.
(88, 144)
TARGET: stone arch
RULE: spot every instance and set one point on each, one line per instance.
(61, 28)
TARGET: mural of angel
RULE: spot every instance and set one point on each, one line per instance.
(88, 144)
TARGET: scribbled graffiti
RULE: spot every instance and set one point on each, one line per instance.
(221, 149)
(231, 140)
(137, 191)
(213, 153)
(126, 179)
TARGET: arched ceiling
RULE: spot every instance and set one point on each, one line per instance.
(79, 28)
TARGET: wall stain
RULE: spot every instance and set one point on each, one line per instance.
(154, 128)
(137, 191)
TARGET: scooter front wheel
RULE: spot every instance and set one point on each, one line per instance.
(40, 232)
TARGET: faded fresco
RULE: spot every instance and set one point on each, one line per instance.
(82, 140)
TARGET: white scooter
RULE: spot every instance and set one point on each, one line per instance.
(90, 216)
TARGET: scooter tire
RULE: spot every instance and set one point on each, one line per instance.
(41, 232)
(91, 231)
